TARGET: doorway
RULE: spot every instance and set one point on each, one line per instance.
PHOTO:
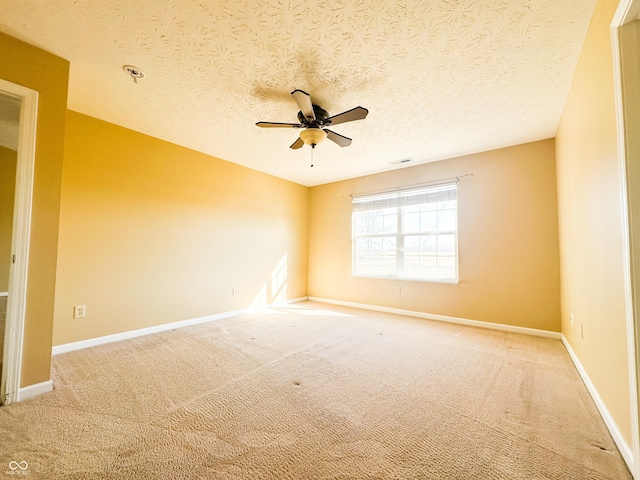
(18, 121)
(9, 127)
(625, 30)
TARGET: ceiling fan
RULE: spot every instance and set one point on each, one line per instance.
(314, 120)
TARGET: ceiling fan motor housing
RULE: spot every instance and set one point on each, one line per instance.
(320, 113)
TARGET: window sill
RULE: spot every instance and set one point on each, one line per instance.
(455, 281)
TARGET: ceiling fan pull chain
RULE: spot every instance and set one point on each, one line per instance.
(312, 149)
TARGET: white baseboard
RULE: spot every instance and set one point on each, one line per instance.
(34, 390)
(444, 318)
(116, 337)
(267, 306)
(92, 342)
(621, 443)
(297, 300)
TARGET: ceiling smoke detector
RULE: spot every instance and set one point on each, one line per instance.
(135, 72)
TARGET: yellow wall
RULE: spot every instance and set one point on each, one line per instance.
(508, 240)
(8, 160)
(152, 233)
(590, 222)
(48, 74)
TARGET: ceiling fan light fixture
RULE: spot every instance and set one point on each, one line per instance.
(313, 136)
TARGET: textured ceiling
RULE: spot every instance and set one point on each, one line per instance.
(440, 78)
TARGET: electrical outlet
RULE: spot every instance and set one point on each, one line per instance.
(234, 291)
(582, 331)
(571, 318)
(80, 311)
(398, 291)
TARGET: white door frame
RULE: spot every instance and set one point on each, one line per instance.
(17, 300)
(627, 12)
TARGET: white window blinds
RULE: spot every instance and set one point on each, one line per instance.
(401, 198)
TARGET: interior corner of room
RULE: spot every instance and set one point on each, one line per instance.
(130, 234)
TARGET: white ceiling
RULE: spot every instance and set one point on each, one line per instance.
(440, 77)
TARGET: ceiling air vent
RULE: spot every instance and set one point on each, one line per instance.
(398, 162)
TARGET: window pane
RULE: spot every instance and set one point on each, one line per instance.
(447, 221)
(375, 256)
(428, 221)
(428, 267)
(412, 265)
(446, 244)
(446, 267)
(389, 245)
(365, 256)
(428, 244)
(429, 256)
(429, 218)
(376, 224)
(372, 222)
(411, 222)
(389, 256)
(360, 223)
(390, 222)
(412, 244)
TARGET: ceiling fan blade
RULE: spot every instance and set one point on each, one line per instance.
(303, 99)
(278, 125)
(358, 113)
(337, 138)
(297, 144)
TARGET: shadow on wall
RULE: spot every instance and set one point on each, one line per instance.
(273, 291)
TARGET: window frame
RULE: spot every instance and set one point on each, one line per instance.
(400, 235)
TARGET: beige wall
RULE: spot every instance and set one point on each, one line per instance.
(8, 160)
(48, 74)
(152, 233)
(590, 222)
(508, 240)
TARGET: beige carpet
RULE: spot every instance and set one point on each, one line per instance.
(313, 391)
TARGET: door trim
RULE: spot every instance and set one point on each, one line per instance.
(627, 12)
(17, 301)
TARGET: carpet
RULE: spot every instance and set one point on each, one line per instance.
(312, 391)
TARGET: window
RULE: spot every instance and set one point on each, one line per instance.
(409, 234)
